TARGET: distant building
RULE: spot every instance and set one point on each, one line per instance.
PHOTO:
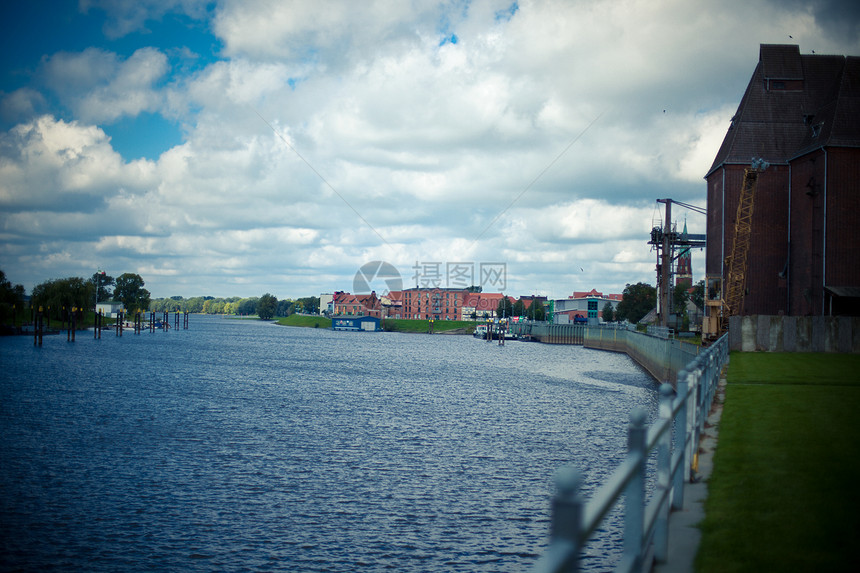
(585, 305)
(346, 304)
(109, 309)
(326, 303)
(356, 323)
(430, 303)
(441, 304)
(684, 268)
(482, 305)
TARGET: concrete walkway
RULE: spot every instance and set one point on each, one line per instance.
(684, 535)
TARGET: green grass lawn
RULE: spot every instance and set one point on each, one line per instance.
(420, 326)
(784, 492)
(305, 321)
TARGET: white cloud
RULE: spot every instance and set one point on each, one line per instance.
(100, 87)
(21, 105)
(541, 140)
(46, 159)
(127, 16)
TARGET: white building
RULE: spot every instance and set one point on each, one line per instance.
(586, 305)
(326, 304)
(109, 308)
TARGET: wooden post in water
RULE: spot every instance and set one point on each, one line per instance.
(176, 320)
(185, 325)
(165, 321)
(73, 322)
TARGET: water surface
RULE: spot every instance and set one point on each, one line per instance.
(245, 445)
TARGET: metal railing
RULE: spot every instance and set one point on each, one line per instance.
(675, 434)
(660, 331)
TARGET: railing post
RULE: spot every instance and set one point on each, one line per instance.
(680, 436)
(664, 466)
(567, 514)
(692, 422)
(634, 495)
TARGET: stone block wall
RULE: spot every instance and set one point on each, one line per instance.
(795, 333)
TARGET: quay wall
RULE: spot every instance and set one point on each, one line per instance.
(795, 333)
(661, 357)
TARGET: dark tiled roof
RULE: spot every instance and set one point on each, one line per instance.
(781, 61)
(794, 103)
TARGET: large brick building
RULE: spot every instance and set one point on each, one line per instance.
(447, 303)
(801, 114)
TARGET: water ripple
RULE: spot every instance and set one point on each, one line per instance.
(241, 445)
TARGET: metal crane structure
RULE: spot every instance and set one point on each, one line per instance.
(666, 239)
(723, 303)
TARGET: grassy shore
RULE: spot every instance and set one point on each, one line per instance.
(423, 326)
(306, 321)
(783, 495)
(389, 324)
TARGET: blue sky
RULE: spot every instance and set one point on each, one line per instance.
(241, 147)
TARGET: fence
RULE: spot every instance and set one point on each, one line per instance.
(675, 435)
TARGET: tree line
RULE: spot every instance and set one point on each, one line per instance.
(58, 298)
(266, 306)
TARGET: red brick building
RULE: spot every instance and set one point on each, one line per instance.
(347, 304)
(801, 114)
(445, 303)
(430, 303)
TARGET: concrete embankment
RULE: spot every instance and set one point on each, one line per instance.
(663, 358)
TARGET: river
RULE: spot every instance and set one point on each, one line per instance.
(242, 445)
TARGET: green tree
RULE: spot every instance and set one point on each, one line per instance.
(519, 308)
(608, 312)
(62, 295)
(103, 283)
(285, 307)
(266, 306)
(11, 297)
(505, 308)
(680, 296)
(130, 292)
(248, 306)
(194, 304)
(310, 304)
(537, 311)
(637, 301)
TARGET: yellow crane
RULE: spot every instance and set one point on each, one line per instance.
(720, 308)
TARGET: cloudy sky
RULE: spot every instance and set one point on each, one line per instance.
(238, 147)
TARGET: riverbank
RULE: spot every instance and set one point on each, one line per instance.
(389, 324)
